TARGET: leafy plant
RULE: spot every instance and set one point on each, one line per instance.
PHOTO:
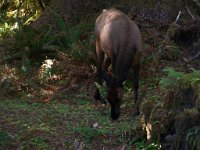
(193, 137)
(141, 145)
(38, 142)
(172, 79)
(62, 26)
(170, 52)
(87, 133)
(5, 30)
(77, 38)
(102, 90)
(82, 46)
(4, 138)
(176, 79)
(31, 46)
(15, 13)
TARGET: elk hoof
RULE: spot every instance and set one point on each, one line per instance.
(114, 117)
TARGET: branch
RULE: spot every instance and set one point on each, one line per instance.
(190, 12)
(186, 5)
(178, 16)
(197, 2)
(42, 6)
(196, 56)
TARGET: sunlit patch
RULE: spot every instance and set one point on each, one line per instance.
(8, 73)
(46, 69)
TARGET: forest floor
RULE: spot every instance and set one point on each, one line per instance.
(66, 117)
(71, 124)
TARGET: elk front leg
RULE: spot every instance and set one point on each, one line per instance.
(136, 68)
(100, 60)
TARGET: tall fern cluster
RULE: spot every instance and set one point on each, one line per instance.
(176, 79)
(193, 138)
(179, 82)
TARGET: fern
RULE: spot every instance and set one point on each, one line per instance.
(81, 41)
(76, 38)
(193, 137)
(192, 79)
(177, 79)
(172, 79)
(61, 24)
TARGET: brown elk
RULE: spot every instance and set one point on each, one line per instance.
(119, 44)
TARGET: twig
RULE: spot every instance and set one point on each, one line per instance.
(197, 2)
(123, 148)
(178, 16)
(197, 55)
(190, 12)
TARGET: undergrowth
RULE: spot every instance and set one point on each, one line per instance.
(33, 46)
(193, 137)
(176, 79)
(44, 126)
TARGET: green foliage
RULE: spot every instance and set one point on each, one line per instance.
(28, 6)
(31, 46)
(41, 124)
(172, 79)
(35, 41)
(192, 79)
(38, 142)
(141, 145)
(5, 30)
(77, 38)
(102, 90)
(62, 26)
(15, 13)
(176, 79)
(63, 109)
(87, 133)
(82, 39)
(28, 42)
(193, 137)
(4, 138)
(170, 52)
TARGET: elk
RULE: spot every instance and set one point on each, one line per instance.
(119, 44)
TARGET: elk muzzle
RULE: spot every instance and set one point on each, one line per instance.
(115, 96)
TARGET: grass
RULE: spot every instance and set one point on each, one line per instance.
(4, 138)
(26, 125)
